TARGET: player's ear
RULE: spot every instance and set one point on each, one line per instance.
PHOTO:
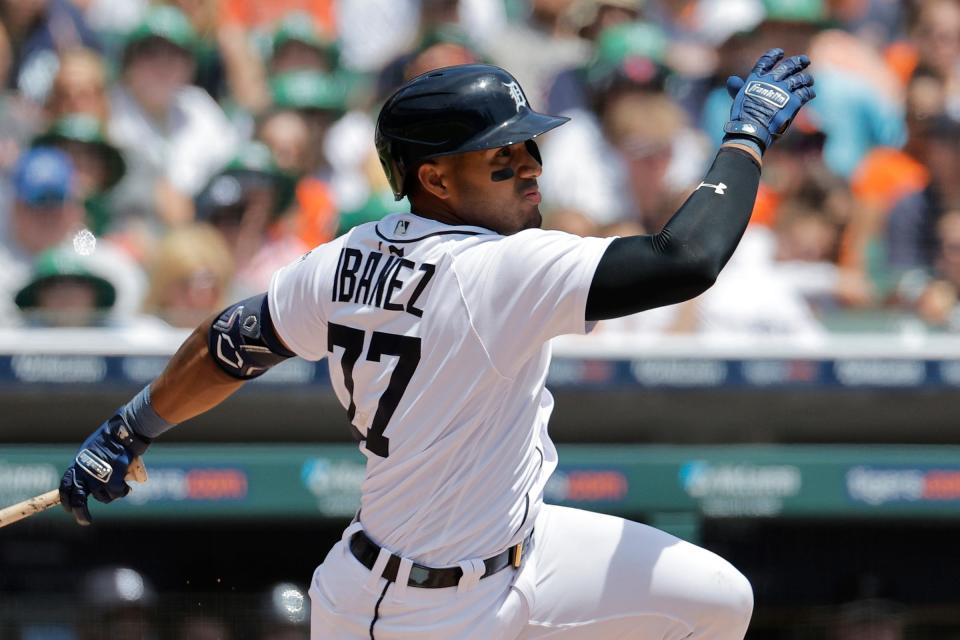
(433, 180)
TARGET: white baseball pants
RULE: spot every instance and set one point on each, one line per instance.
(588, 576)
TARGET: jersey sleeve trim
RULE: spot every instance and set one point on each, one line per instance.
(429, 235)
(589, 269)
(444, 229)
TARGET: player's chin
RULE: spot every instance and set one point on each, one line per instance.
(523, 218)
(536, 221)
(532, 218)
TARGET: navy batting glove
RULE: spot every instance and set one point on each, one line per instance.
(100, 466)
(766, 102)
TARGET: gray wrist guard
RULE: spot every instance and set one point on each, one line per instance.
(143, 420)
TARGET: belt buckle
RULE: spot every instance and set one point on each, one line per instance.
(518, 555)
(419, 576)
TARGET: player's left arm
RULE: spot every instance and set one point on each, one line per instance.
(684, 259)
(226, 350)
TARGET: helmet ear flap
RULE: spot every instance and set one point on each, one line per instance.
(393, 169)
(390, 160)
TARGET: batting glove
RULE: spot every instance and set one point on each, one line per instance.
(100, 467)
(766, 102)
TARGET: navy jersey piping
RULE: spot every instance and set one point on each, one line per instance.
(429, 235)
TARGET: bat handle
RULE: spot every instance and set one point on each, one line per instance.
(29, 507)
(136, 471)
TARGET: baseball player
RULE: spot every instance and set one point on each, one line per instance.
(436, 324)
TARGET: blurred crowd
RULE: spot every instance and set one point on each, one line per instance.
(158, 159)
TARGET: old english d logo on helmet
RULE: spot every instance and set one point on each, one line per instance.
(454, 110)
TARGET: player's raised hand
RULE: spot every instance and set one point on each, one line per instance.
(100, 467)
(766, 102)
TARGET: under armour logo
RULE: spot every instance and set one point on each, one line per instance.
(717, 188)
(517, 94)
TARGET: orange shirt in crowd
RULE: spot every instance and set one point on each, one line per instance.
(885, 175)
(316, 218)
(254, 14)
(902, 58)
(765, 207)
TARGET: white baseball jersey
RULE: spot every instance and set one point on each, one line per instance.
(437, 338)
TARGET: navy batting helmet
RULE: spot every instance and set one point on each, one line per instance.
(453, 110)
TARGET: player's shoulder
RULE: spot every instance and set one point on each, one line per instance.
(319, 252)
(526, 243)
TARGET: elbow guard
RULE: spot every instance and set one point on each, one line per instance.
(243, 342)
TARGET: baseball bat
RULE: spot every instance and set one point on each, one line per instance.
(136, 472)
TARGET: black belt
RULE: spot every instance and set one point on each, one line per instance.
(366, 552)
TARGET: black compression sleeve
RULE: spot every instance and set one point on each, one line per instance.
(683, 260)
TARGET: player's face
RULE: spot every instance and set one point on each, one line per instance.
(497, 188)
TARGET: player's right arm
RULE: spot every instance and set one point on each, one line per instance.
(240, 343)
(684, 259)
(216, 359)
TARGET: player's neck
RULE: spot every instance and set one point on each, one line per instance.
(437, 211)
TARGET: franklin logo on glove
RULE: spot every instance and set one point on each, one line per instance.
(770, 94)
